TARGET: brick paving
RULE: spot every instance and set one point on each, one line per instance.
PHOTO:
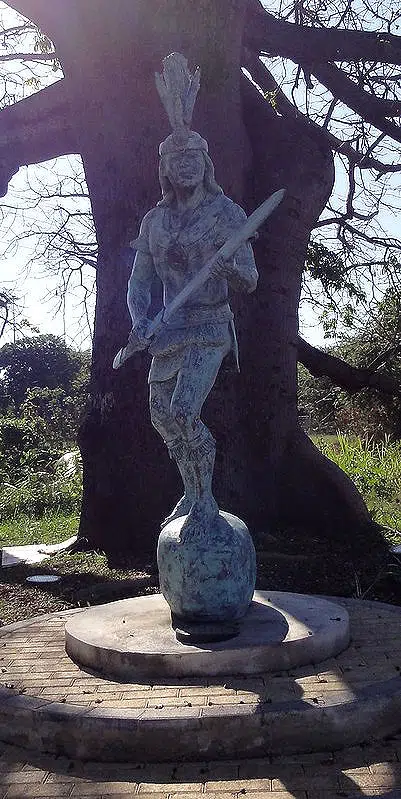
(33, 663)
(363, 771)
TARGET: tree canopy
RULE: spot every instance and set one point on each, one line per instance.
(364, 396)
(38, 362)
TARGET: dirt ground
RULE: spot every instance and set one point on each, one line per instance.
(284, 564)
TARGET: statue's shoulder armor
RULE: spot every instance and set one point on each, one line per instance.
(232, 212)
(149, 222)
(230, 217)
(150, 219)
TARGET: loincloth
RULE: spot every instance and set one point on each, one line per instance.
(172, 348)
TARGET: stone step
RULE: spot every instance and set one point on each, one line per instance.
(49, 704)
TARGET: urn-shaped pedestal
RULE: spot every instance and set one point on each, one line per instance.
(207, 572)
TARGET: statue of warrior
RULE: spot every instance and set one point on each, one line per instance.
(177, 238)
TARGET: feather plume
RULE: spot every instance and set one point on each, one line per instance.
(178, 90)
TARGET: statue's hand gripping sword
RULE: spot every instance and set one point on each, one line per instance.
(254, 221)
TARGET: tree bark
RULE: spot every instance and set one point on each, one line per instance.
(293, 483)
(36, 129)
(129, 482)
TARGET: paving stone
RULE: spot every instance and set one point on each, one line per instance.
(279, 795)
(154, 795)
(116, 696)
(353, 756)
(44, 670)
(239, 785)
(174, 701)
(60, 779)
(368, 780)
(37, 791)
(180, 787)
(21, 776)
(200, 772)
(381, 753)
(323, 780)
(103, 789)
(7, 766)
(264, 769)
(325, 793)
(161, 773)
(41, 773)
(387, 769)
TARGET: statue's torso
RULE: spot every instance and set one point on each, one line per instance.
(181, 244)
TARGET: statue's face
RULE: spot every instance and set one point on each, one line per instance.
(185, 169)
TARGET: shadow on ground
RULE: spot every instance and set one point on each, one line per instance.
(373, 770)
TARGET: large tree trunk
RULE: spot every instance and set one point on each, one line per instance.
(129, 482)
(266, 471)
(293, 484)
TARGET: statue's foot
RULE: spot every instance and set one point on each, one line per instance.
(203, 510)
(182, 508)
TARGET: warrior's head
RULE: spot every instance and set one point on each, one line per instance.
(184, 158)
(187, 165)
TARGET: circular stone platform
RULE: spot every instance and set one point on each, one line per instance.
(134, 638)
(49, 704)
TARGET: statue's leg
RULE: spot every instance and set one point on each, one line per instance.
(163, 421)
(194, 382)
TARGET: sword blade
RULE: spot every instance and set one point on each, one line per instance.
(225, 252)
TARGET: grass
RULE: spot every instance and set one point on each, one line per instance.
(51, 528)
(39, 494)
(375, 468)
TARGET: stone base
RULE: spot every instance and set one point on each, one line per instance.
(209, 633)
(207, 567)
(134, 638)
(54, 706)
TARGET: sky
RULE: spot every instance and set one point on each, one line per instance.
(32, 271)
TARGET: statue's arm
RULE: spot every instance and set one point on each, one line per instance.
(140, 282)
(240, 271)
(243, 275)
(139, 292)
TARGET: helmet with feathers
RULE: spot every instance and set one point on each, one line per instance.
(178, 90)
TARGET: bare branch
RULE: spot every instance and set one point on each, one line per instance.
(384, 357)
(350, 378)
(394, 244)
(369, 107)
(5, 309)
(265, 80)
(308, 45)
